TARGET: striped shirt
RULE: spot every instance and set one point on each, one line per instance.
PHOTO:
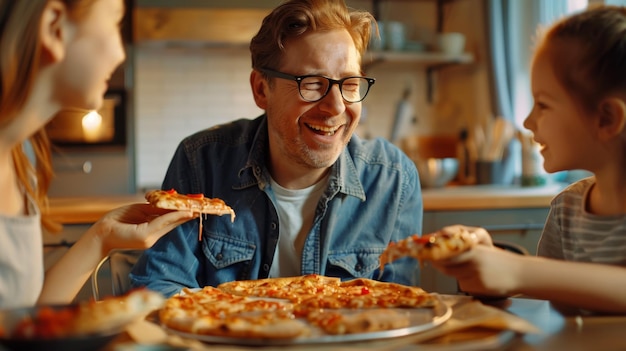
(573, 234)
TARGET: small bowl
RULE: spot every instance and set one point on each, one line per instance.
(436, 172)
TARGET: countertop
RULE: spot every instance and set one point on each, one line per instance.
(484, 197)
(88, 209)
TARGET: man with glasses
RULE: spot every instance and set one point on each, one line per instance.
(310, 196)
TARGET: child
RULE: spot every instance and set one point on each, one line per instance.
(56, 54)
(579, 86)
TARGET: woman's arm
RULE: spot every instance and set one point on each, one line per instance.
(134, 226)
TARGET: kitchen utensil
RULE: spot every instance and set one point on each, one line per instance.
(404, 118)
(502, 133)
(492, 141)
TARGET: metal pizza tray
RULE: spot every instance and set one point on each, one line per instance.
(421, 319)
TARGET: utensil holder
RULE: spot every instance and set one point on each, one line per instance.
(489, 172)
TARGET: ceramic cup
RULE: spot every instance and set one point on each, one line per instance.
(451, 43)
(395, 35)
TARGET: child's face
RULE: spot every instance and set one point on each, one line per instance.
(93, 51)
(561, 128)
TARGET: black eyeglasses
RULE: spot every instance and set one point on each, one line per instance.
(313, 88)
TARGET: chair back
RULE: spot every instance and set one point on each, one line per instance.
(111, 275)
(511, 246)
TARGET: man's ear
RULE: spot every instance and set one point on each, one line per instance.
(612, 118)
(259, 89)
(53, 31)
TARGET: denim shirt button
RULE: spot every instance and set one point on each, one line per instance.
(266, 267)
(273, 225)
(358, 268)
(219, 256)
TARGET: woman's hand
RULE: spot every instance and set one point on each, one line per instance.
(137, 226)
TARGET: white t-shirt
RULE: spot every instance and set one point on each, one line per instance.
(296, 210)
(21, 258)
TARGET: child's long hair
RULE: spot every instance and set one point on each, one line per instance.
(588, 54)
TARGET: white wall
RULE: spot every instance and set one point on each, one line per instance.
(179, 91)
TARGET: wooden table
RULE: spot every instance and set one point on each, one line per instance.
(559, 331)
(564, 331)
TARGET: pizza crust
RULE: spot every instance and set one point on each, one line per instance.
(367, 321)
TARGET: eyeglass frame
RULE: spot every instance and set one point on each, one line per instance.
(331, 82)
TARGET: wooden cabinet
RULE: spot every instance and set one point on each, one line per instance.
(521, 226)
(205, 26)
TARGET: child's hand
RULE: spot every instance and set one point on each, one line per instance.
(484, 270)
(481, 235)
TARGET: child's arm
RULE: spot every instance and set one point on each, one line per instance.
(492, 271)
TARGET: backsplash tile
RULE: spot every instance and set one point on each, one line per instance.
(179, 91)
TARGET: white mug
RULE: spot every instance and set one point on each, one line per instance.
(451, 43)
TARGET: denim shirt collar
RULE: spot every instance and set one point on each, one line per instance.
(343, 174)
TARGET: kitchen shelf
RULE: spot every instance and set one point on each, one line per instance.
(430, 60)
(440, 10)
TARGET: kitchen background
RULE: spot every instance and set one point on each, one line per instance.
(178, 84)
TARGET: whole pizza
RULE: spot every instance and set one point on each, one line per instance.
(285, 308)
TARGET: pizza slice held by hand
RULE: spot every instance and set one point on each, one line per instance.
(196, 203)
(443, 244)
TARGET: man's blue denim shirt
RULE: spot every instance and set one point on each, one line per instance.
(373, 197)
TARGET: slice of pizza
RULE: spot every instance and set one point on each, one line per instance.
(88, 317)
(338, 322)
(364, 293)
(197, 203)
(294, 289)
(211, 311)
(443, 244)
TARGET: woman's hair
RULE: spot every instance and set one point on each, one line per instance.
(587, 52)
(296, 17)
(19, 66)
